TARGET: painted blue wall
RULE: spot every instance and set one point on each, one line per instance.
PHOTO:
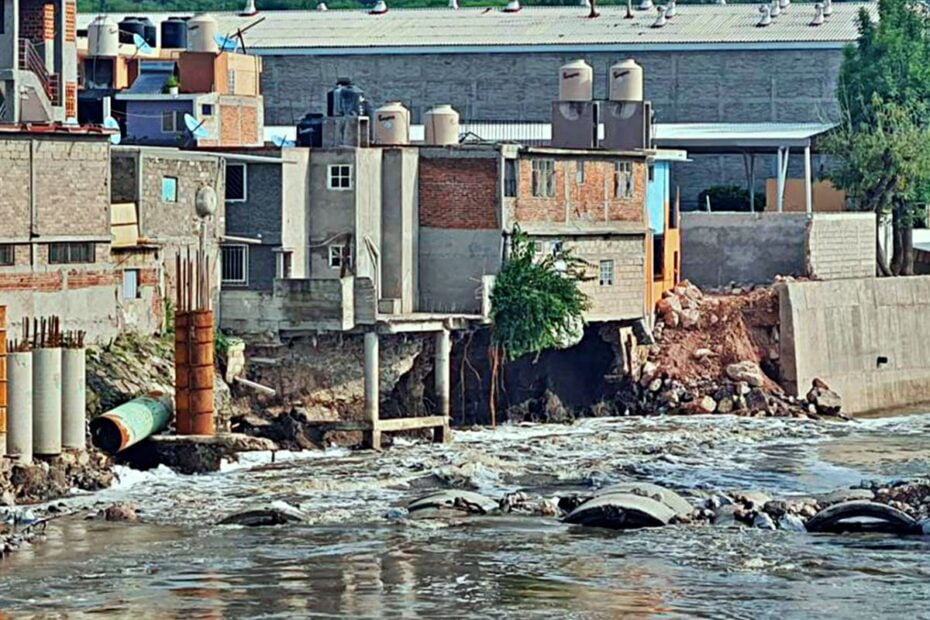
(657, 196)
(143, 121)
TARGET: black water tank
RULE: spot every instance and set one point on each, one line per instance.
(174, 33)
(346, 99)
(130, 26)
(150, 31)
(310, 130)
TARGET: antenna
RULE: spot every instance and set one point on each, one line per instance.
(234, 40)
(111, 123)
(195, 127)
(226, 43)
(282, 141)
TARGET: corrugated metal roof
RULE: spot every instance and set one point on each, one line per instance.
(535, 26)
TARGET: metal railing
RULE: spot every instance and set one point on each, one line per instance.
(30, 60)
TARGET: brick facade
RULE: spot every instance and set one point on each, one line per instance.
(625, 298)
(459, 193)
(37, 20)
(70, 22)
(580, 197)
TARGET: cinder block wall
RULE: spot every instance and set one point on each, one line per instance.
(867, 338)
(841, 245)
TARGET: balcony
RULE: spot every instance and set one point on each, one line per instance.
(31, 60)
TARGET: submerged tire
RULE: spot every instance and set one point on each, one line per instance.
(621, 511)
(837, 519)
(673, 500)
(466, 502)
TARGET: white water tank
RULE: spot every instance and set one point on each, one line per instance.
(576, 81)
(442, 125)
(201, 33)
(102, 38)
(392, 124)
(626, 81)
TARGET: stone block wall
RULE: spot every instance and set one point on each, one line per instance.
(626, 297)
(842, 245)
(867, 338)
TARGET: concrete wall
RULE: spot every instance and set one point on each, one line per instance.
(295, 178)
(451, 263)
(326, 304)
(626, 297)
(752, 248)
(259, 217)
(399, 223)
(332, 213)
(839, 331)
(143, 121)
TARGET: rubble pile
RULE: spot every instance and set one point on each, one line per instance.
(718, 353)
(54, 477)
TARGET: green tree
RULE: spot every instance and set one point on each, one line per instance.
(883, 144)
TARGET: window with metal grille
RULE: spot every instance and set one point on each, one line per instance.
(235, 264)
(285, 262)
(130, 284)
(339, 177)
(169, 189)
(73, 252)
(579, 173)
(336, 253)
(623, 179)
(236, 183)
(606, 273)
(544, 178)
(7, 255)
(510, 178)
(206, 109)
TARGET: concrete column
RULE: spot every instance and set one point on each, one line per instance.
(73, 399)
(808, 197)
(46, 401)
(372, 375)
(779, 183)
(441, 366)
(19, 406)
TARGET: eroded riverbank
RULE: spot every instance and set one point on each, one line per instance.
(351, 559)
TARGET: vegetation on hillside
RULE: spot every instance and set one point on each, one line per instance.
(883, 143)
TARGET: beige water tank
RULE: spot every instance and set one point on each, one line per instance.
(102, 38)
(392, 124)
(576, 81)
(442, 125)
(201, 33)
(626, 81)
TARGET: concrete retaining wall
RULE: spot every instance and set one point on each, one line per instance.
(867, 338)
(318, 304)
(752, 248)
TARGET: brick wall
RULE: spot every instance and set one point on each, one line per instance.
(626, 297)
(37, 20)
(70, 22)
(240, 123)
(70, 100)
(578, 199)
(841, 245)
(458, 193)
(14, 179)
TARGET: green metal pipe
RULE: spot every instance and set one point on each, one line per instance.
(131, 422)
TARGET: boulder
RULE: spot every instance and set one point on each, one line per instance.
(825, 400)
(668, 305)
(690, 318)
(729, 515)
(792, 523)
(621, 511)
(746, 371)
(763, 521)
(752, 499)
(757, 400)
(706, 404)
(725, 405)
(700, 354)
(121, 512)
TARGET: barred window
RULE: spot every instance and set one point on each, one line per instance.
(235, 264)
(7, 255)
(236, 183)
(335, 256)
(544, 178)
(606, 273)
(623, 179)
(68, 253)
(510, 178)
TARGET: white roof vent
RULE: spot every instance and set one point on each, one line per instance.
(776, 10)
(453, 4)
(629, 10)
(645, 5)
(249, 9)
(671, 10)
(661, 20)
(818, 15)
(322, 7)
(784, 4)
(380, 8)
(586, 4)
(827, 8)
(722, 2)
(766, 16)
(513, 6)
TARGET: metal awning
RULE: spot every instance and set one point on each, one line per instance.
(728, 138)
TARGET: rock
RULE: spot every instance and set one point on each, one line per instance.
(700, 354)
(757, 401)
(672, 319)
(755, 500)
(276, 513)
(668, 305)
(792, 523)
(707, 404)
(742, 388)
(655, 385)
(690, 318)
(754, 563)
(121, 512)
(725, 405)
(728, 516)
(924, 527)
(649, 371)
(763, 521)
(746, 371)
(776, 508)
(825, 400)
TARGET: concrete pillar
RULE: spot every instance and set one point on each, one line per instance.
(19, 406)
(73, 399)
(372, 376)
(442, 383)
(779, 183)
(46, 401)
(808, 197)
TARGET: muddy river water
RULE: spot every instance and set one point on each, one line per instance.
(359, 557)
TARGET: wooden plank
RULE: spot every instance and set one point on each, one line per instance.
(406, 424)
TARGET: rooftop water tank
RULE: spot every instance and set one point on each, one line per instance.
(149, 31)
(576, 81)
(130, 26)
(201, 30)
(310, 130)
(392, 124)
(346, 99)
(442, 125)
(626, 81)
(102, 38)
(174, 33)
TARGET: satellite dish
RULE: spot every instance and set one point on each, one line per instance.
(282, 142)
(111, 123)
(195, 127)
(140, 43)
(233, 41)
(226, 44)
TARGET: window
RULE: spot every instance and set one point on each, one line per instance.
(206, 109)
(236, 183)
(235, 264)
(623, 179)
(131, 284)
(652, 173)
(168, 124)
(67, 253)
(336, 253)
(169, 189)
(231, 81)
(579, 173)
(606, 273)
(7, 255)
(510, 178)
(544, 178)
(284, 264)
(340, 177)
